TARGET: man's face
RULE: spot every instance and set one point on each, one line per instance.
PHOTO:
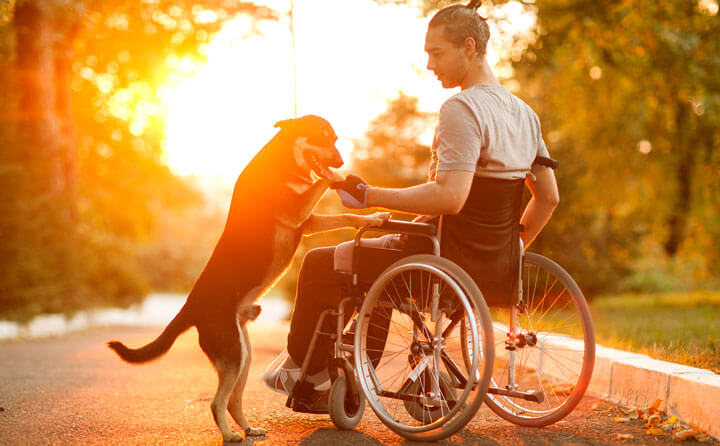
(447, 61)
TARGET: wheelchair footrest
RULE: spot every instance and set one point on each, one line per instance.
(535, 396)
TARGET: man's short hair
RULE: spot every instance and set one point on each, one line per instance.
(461, 22)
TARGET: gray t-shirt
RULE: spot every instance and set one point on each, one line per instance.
(487, 130)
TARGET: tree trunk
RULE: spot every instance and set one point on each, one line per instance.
(683, 172)
(39, 130)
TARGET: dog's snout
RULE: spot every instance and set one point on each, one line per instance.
(337, 160)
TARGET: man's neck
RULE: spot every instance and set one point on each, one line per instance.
(479, 74)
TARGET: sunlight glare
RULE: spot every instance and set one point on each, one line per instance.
(352, 58)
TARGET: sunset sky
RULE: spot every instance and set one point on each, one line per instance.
(352, 57)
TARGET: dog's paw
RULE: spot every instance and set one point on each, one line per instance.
(233, 437)
(249, 313)
(254, 432)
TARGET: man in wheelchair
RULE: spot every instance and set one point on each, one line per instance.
(487, 145)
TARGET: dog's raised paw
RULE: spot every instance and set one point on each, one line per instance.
(233, 437)
(254, 432)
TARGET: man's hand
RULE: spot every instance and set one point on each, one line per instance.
(352, 192)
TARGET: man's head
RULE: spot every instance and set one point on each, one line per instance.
(456, 37)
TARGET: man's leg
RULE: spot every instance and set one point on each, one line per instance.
(319, 288)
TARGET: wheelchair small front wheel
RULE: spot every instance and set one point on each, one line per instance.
(345, 411)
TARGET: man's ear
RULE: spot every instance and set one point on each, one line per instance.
(470, 46)
(285, 124)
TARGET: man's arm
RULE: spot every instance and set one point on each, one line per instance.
(445, 195)
(545, 198)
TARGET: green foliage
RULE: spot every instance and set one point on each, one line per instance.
(630, 106)
(391, 154)
(629, 99)
(120, 222)
(677, 327)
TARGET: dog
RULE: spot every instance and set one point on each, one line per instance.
(272, 199)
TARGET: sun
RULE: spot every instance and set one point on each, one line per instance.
(220, 117)
(353, 56)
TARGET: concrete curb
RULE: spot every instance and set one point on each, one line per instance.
(635, 380)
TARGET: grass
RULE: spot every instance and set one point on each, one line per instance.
(681, 327)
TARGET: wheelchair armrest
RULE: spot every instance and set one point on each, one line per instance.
(406, 227)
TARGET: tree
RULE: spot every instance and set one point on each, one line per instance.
(81, 129)
(628, 96)
(629, 100)
(391, 153)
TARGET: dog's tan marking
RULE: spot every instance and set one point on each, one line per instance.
(227, 378)
(235, 405)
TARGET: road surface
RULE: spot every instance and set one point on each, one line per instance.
(72, 390)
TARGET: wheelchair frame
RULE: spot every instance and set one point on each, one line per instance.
(509, 401)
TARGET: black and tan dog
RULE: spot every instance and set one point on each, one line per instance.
(273, 198)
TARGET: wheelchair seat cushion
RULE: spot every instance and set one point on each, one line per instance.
(344, 251)
(374, 255)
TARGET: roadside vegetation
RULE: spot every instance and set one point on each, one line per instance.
(628, 98)
(679, 327)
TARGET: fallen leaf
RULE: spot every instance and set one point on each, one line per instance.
(622, 419)
(653, 420)
(703, 438)
(654, 431)
(656, 405)
(683, 435)
(593, 407)
(625, 436)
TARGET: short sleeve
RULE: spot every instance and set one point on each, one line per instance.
(459, 138)
(541, 147)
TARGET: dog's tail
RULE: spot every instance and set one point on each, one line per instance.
(159, 346)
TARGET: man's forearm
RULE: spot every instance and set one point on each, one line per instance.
(428, 198)
(534, 218)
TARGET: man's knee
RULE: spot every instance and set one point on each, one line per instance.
(318, 259)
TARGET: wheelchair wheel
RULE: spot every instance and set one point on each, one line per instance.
(345, 413)
(542, 377)
(429, 313)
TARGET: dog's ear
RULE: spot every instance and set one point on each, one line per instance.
(285, 124)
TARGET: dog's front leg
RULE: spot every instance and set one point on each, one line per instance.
(302, 206)
(235, 405)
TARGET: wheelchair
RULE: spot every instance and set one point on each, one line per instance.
(417, 342)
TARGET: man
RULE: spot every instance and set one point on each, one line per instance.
(484, 147)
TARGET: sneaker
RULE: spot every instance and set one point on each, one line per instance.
(280, 379)
(315, 403)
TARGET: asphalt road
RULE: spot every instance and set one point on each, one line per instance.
(74, 390)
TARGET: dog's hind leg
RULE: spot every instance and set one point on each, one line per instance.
(235, 406)
(227, 377)
(225, 354)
